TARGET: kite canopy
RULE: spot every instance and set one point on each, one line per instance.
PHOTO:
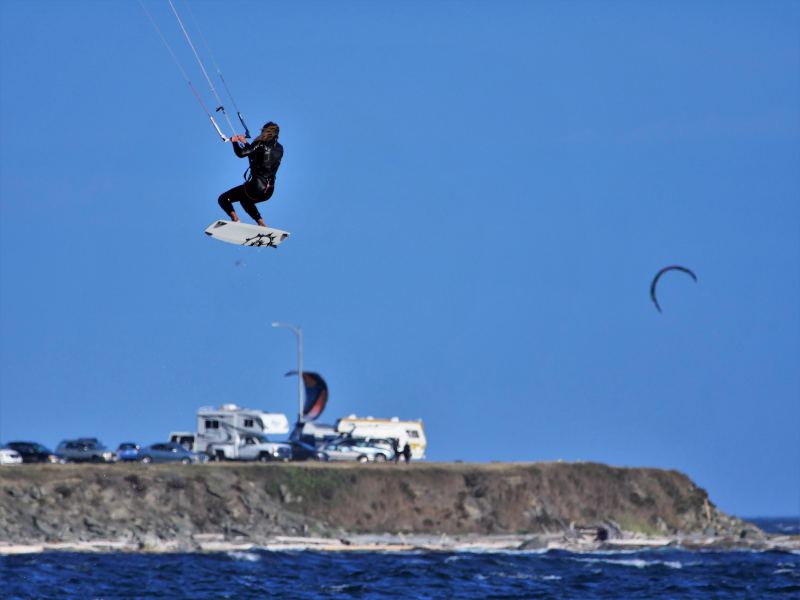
(316, 394)
(658, 276)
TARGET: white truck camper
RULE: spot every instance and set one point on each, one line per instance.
(231, 432)
(405, 432)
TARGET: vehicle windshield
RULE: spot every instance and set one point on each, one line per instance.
(127, 446)
(90, 443)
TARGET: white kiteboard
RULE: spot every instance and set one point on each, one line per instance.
(245, 234)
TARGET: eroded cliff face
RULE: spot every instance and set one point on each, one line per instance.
(254, 501)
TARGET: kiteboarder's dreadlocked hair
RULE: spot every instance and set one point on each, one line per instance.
(268, 132)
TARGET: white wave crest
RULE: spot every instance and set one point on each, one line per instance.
(246, 556)
(533, 576)
(639, 563)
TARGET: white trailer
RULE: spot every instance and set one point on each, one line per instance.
(405, 432)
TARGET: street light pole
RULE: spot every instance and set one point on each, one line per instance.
(299, 333)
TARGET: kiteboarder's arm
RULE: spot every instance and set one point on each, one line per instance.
(240, 151)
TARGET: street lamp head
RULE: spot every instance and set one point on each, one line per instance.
(294, 328)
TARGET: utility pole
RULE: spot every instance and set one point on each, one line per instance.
(299, 333)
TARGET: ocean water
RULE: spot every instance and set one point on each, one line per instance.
(307, 574)
(658, 573)
(778, 525)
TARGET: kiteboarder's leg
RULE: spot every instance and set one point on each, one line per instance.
(252, 197)
(251, 209)
(226, 200)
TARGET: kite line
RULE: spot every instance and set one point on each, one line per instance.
(219, 72)
(220, 106)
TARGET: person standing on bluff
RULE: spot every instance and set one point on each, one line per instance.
(264, 154)
(396, 450)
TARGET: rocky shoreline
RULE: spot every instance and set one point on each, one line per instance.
(412, 543)
(345, 507)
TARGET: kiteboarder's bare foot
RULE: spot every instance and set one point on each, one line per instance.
(261, 222)
(234, 217)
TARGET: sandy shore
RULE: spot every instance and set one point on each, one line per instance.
(408, 543)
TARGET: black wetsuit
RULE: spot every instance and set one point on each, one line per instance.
(265, 158)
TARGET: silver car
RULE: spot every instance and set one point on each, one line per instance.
(354, 450)
(167, 452)
(84, 450)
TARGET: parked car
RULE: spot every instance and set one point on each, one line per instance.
(10, 457)
(128, 451)
(164, 452)
(84, 450)
(31, 452)
(385, 443)
(303, 451)
(354, 449)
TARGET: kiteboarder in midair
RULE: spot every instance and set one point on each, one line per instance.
(265, 155)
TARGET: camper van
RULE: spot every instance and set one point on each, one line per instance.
(405, 432)
(228, 424)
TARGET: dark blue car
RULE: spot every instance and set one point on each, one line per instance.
(31, 452)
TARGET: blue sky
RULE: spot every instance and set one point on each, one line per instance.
(479, 194)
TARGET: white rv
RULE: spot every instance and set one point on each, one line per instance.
(228, 424)
(405, 432)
